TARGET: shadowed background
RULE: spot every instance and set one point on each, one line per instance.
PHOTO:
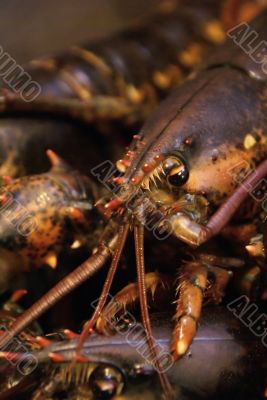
(30, 28)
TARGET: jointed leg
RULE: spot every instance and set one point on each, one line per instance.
(193, 287)
(192, 283)
(97, 108)
(158, 287)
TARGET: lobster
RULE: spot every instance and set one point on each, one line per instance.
(19, 133)
(121, 78)
(108, 373)
(185, 34)
(99, 65)
(184, 169)
(43, 214)
(168, 162)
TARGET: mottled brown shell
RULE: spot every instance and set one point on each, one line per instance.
(41, 215)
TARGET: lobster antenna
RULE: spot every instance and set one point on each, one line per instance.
(140, 265)
(87, 269)
(122, 236)
(222, 216)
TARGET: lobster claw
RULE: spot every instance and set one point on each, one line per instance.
(44, 215)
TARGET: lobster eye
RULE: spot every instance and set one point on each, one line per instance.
(178, 175)
(106, 382)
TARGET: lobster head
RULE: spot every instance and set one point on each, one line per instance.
(190, 156)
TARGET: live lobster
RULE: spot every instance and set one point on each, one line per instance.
(185, 169)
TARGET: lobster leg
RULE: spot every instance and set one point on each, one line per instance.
(158, 286)
(98, 108)
(194, 285)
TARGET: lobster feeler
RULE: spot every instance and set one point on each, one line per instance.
(122, 236)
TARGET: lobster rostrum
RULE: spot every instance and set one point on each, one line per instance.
(188, 161)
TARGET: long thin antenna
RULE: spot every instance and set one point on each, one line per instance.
(140, 265)
(122, 236)
(87, 269)
(222, 216)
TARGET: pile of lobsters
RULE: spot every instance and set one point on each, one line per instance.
(135, 169)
